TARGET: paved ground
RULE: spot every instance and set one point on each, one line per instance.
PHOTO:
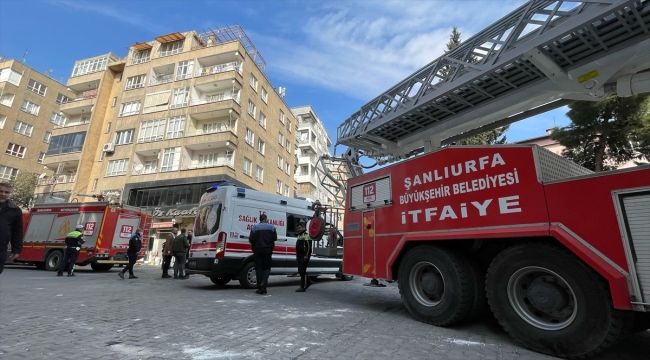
(99, 316)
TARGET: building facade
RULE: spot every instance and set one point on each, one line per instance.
(177, 114)
(29, 113)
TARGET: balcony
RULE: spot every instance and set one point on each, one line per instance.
(84, 101)
(208, 99)
(209, 164)
(305, 143)
(304, 159)
(162, 79)
(220, 68)
(161, 74)
(307, 179)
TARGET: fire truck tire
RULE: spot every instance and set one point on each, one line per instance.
(101, 267)
(220, 280)
(40, 265)
(553, 303)
(641, 322)
(248, 278)
(53, 259)
(342, 276)
(437, 285)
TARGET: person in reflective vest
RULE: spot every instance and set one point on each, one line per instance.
(73, 242)
(303, 253)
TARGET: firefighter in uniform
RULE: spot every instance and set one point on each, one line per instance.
(303, 253)
(73, 242)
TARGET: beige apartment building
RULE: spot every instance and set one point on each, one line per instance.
(29, 113)
(177, 114)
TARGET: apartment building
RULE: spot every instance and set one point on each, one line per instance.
(177, 114)
(29, 113)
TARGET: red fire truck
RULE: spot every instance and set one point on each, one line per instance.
(107, 230)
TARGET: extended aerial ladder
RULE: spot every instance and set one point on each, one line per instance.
(543, 55)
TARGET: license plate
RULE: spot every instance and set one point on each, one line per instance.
(192, 263)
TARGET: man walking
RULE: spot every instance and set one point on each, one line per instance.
(73, 242)
(180, 247)
(167, 251)
(135, 244)
(262, 239)
(11, 226)
(303, 253)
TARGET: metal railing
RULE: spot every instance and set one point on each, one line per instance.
(214, 98)
(212, 164)
(161, 79)
(216, 69)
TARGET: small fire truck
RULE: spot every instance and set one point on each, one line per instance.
(107, 230)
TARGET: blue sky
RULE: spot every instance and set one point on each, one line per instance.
(333, 55)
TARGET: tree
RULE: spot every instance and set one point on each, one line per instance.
(23, 188)
(601, 133)
(488, 137)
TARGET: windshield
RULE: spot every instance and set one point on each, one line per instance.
(208, 220)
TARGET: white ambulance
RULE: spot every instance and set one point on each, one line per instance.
(220, 249)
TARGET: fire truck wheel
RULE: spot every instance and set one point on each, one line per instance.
(437, 285)
(641, 322)
(553, 303)
(343, 277)
(101, 267)
(248, 278)
(220, 280)
(53, 259)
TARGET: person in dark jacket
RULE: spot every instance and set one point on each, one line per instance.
(180, 248)
(135, 244)
(73, 242)
(167, 251)
(303, 253)
(11, 226)
(262, 239)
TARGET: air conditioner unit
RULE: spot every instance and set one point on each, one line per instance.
(109, 147)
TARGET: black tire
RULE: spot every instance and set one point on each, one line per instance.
(248, 278)
(641, 322)
(40, 265)
(551, 302)
(53, 260)
(220, 280)
(101, 267)
(437, 285)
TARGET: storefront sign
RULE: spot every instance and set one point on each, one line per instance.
(171, 212)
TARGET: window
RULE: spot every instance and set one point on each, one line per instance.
(265, 95)
(252, 109)
(11, 76)
(150, 166)
(8, 173)
(57, 119)
(47, 137)
(108, 127)
(209, 215)
(102, 155)
(114, 101)
(287, 146)
(278, 187)
(117, 167)
(184, 70)
(215, 127)
(95, 184)
(171, 48)
(248, 166)
(36, 87)
(23, 128)
(156, 101)
(253, 82)
(41, 157)
(15, 150)
(30, 108)
(250, 137)
(7, 99)
(289, 125)
(281, 118)
(280, 162)
(259, 174)
(229, 156)
(152, 130)
(89, 66)
(170, 160)
(63, 144)
(3, 120)
(286, 190)
(207, 160)
(130, 108)
(135, 82)
(287, 168)
(180, 98)
(62, 99)
(280, 138)
(176, 127)
(141, 56)
(261, 146)
(262, 120)
(124, 137)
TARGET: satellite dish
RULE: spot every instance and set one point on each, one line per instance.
(42, 175)
(139, 167)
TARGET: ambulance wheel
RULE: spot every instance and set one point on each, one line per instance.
(101, 267)
(220, 280)
(40, 265)
(437, 285)
(53, 260)
(553, 303)
(248, 278)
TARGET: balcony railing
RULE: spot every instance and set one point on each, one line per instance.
(75, 121)
(140, 60)
(210, 131)
(88, 94)
(144, 171)
(306, 141)
(312, 157)
(61, 179)
(212, 164)
(216, 69)
(214, 98)
(161, 79)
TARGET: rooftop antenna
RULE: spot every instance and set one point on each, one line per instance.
(24, 56)
(48, 72)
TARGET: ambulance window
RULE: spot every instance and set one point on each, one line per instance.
(292, 221)
(208, 220)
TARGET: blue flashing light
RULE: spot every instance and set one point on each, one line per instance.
(241, 194)
(241, 190)
(217, 185)
(283, 202)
